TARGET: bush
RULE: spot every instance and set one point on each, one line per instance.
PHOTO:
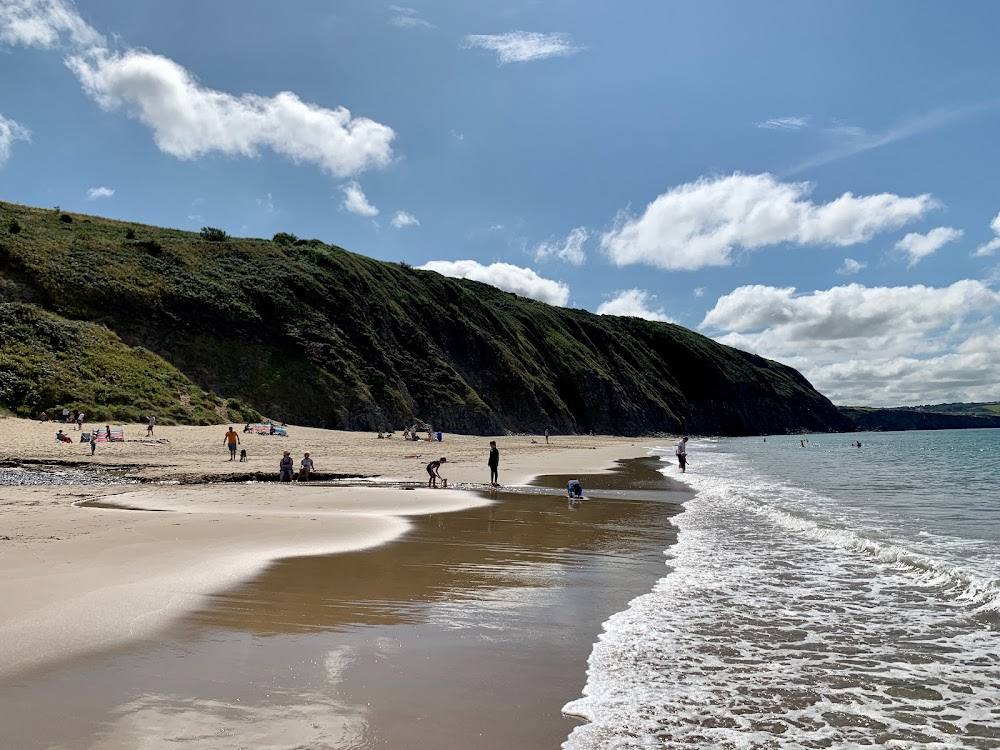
(130, 234)
(212, 234)
(284, 238)
(65, 218)
(13, 227)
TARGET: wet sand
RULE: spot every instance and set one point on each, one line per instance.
(470, 631)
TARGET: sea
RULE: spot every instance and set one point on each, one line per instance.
(821, 594)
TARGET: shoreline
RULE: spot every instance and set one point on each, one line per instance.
(433, 641)
(86, 579)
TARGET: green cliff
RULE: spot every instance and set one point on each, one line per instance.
(312, 334)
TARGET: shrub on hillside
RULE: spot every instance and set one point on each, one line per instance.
(66, 218)
(130, 234)
(284, 238)
(13, 227)
(213, 234)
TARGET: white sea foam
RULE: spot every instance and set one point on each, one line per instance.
(781, 626)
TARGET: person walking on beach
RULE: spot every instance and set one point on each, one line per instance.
(93, 443)
(434, 473)
(79, 421)
(493, 462)
(682, 456)
(305, 468)
(232, 439)
(65, 415)
(285, 467)
(152, 424)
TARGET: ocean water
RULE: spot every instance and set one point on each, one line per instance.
(825, 596)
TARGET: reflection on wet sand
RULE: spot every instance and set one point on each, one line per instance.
(471, 631)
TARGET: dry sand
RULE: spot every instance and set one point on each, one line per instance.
(82, 578)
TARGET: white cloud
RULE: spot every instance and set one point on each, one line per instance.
(700, 223)
(699, 291)
(504, 276)
(11, 131)
(189, 120)
(851, 266)
(523, 46)
(405, 219)
(633, 303)
(783, 123)
(356, 201)
(266, 203)
(990, 247)
(919, 246)
(569, 250)
(857, 140)
(99, 192)
(44, 24)
(408, 18)
(879, 346)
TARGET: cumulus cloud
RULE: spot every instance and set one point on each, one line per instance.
(699, 291)
(990, 247)
(10, 131)
(99, 192)
(189, 120)
(44, 24)
(846, 339)
(919, 246)
(851, 266)
(404, 219)
(569, 250)
(523, 46)
(701, 223)
(783, 123)
(408, 18)
(510, 278)
(633, 303)
(356, 201)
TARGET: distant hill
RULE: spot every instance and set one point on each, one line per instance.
(121, 319)
(932, 417)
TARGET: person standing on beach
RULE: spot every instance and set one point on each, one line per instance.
(305, 468)
(65, 415)
(79, 421)
(285, 468)
(152, 424)
(433, 472)
(93, 443)
(546, 435)
(232, 439)
(493, 462)
(682, 456)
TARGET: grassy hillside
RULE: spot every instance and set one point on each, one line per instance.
(310, 333)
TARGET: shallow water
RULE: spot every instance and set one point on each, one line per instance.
(822, 596)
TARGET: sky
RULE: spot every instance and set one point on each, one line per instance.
(815, 182)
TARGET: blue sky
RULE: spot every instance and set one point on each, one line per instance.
(815, 182)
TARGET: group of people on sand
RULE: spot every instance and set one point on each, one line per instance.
(286, 466)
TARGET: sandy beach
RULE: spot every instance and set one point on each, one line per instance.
(82, 579)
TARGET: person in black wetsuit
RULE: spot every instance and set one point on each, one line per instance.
(493, 463)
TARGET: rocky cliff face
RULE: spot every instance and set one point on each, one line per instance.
(312, 334)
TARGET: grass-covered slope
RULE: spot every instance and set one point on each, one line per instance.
(310, 333)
